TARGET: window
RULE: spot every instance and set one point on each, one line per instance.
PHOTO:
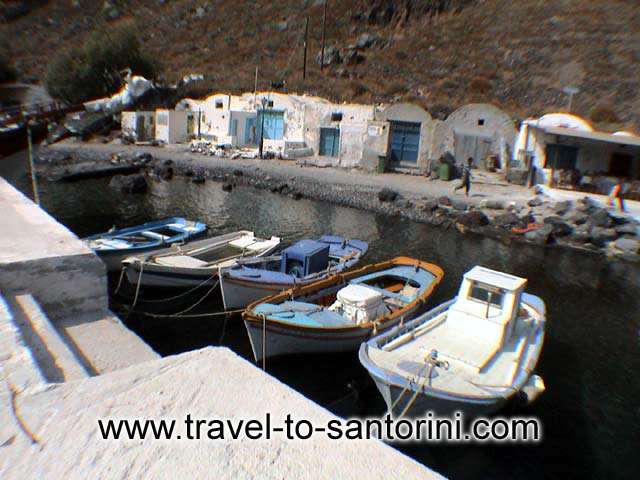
(270, 104)
(218, 103)
(336, 117)
(486, 294)
(561, 157)
(480, 122)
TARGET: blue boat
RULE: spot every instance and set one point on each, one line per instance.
(304, 262)
(115, 245)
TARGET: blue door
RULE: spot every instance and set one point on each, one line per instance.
(405, 143)
(273, 123)
(329, 142)
(250, 131)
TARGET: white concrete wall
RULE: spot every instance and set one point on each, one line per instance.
(129, 125)
(171, 126)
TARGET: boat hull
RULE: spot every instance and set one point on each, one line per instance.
(238, 294)
(288, 340)
(113, 259)
(158, 277)
(425, 402)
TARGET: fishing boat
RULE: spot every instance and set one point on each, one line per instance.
(113, 246)
(197, 263)
(470, 354)
(300, 264)
(338, 313)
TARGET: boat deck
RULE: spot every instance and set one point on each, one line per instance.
(407, 357)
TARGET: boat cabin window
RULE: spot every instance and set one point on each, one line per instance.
(491, 296)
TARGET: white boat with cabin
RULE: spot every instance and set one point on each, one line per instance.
(471, 354)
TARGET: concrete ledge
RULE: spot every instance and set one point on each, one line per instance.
(56, 361)
(209, 383)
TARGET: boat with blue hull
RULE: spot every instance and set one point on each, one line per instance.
(113, 246)
(337, 314)
(471, 354)
(304, 262)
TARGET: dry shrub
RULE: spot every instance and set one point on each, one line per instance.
(480, 85)
(604, 113)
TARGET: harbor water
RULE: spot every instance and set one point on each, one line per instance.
(590, 363)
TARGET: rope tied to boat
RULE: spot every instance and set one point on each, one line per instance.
(264, 341)
(431, 361)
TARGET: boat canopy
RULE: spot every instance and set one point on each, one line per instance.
(304, 258)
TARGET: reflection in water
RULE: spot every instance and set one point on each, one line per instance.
(590, 412)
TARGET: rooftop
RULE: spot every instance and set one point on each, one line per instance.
(495, 278)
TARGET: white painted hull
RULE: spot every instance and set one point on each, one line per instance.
(287, 341)
(440, 406)
(163, 277)
(236, 295)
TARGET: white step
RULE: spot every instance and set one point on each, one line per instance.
(17, 365)
(52, 354)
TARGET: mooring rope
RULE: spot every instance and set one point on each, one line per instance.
(183, 294)
(264, 342)
(193, 315)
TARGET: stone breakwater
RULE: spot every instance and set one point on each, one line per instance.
(583, 225)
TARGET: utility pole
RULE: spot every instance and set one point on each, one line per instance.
(324, 30)
(304, 61)
(261, 144)
(255, 85)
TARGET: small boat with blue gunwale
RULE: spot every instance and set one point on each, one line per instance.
(113, 246)
(199, 262)
(304, 262)
(337, 314)
(470, 354)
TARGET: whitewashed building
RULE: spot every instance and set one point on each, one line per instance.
(174, 126)
(138, 126)
(565, 150)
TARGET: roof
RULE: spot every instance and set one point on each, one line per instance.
(593, 136)
(495, 278)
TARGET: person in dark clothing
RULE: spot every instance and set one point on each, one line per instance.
(466, 178)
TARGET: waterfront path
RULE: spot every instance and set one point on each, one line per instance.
(484, 186)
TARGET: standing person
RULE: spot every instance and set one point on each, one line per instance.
(466, 177)
(616, 194)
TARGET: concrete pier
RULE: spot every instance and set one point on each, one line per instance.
(66, 362)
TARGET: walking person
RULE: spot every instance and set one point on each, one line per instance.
(466, 177)
(616, 194)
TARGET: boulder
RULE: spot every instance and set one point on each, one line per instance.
(444, 201)
(540, 236)
(474, 218)
(238, 173)
(560, 227)
(331, 56)
(366, 40)
(165, 172)
(535, 202)
(626, 229)
(129, 183)
(577, 218)
(600, 218)
(227, 187)
(601, 236)
(627, 245)
(581, 234)
(428, 204)
(143, 157)
(459, 204)
(198, 179)
(387, 195)
(402, 203)
(562, 207)
(508, 219)
(352, 57)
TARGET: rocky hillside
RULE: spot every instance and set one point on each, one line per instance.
(440, 53)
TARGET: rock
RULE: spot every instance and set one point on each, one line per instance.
(352, 57)
(227, 187)
(167, 162)
(402, 203)
(626, 229)
(282, 26)
(508, 219)
(601, 236)
(163, 171)
(283, 189)
(474, 218)
(459, 204)
(129, 183)
(535, 202)
(581, 234)
(198, 179)
(387, 195)
(560, 227)
(600, 218)
(238, 173)
(540, 236)
(143, 157)
(444, 201)
(366, 40)
(200, 11)
(492, 204)
(577, 218)
(562, 207)
(428, 205)
(331, 56)
(189, 172)
(627, 245)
